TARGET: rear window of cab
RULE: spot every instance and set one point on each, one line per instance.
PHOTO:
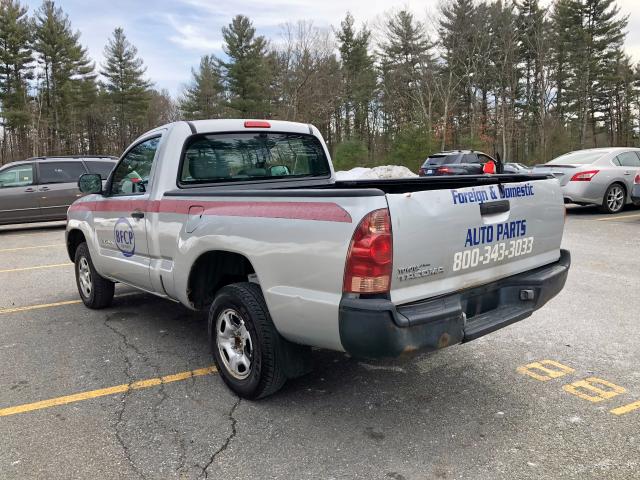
(252, 156)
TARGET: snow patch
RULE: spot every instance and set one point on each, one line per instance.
(376, 173)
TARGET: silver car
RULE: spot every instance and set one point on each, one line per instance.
(41, 189)
(597, 176)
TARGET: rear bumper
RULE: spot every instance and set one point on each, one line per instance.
(376, 328)
(583, 192)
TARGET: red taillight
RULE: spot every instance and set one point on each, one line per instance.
(637, 179)
(444, 170)
(422, 171)
(584, 176)
(256, 124)
(368, 267)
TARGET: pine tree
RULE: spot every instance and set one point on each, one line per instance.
(460, 41)
(405, 55)
(204, 98)
(246, 73)
(15, 71)
(67, 80)
(359, 77)
(126, 86)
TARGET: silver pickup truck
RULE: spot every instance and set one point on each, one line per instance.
(246, 220)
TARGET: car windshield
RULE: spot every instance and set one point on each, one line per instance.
(584, 157)
(440, 159)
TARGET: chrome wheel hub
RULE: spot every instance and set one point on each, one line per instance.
(84, 277)
(615, 198)
(234, 343)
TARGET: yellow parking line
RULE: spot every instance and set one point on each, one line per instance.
(618, 217)
(2, 250)
(55, 265)
(103, 392)
(626, 408)
(55, 304)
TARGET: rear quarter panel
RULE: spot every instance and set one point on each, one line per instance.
(299, 262)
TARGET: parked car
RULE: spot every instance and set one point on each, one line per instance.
(635, 192)
(459, 162)
(596, 176)
(512, 167)
(42, 188)
(245, 220)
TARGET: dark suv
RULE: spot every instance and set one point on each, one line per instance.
(459, 162)
(41, 189)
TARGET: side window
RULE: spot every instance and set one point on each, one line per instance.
(131, 176)
(18, 176)
(470, 158)
(485, 158)
(103, 168)
(616, 161)
(629, 159)
(60, 172)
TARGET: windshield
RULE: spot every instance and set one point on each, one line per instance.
(584, 157)
(252, 156)
(439, 159)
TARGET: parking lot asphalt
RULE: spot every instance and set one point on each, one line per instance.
(128, 392)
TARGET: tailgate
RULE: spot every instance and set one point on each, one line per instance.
(452, 239)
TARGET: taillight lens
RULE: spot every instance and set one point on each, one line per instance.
(637, 179)
(444, 170)
(584, 176)
(369, 261)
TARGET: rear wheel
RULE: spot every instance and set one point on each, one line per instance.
(95, 291)
(614, 199)
(246, 346)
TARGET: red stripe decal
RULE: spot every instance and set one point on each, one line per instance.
(319, 211)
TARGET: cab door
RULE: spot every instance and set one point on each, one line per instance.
(120, 217)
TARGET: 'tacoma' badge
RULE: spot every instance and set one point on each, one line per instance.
(124, 237)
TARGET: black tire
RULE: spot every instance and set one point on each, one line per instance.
(243, 305)
(608, 205)
(101, 290)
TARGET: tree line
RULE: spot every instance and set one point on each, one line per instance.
(507, 77)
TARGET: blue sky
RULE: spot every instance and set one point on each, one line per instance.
(172, 35)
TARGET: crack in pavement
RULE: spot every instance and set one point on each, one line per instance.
(120, 414)
(227, 441)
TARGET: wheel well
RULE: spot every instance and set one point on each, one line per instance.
(74, 239)
(212, 271)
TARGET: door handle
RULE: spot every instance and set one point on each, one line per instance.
(44, 189)
(627, 173)
(137, 214)
(491, 208)
(30, 189)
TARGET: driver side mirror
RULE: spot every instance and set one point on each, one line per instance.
(90, 183)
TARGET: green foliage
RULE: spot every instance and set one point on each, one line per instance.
(125, 85)
(246, 72)
(68, 77)
(204, 98)
(359, 76)
(350, 154)
(15, 64)
(410, 148)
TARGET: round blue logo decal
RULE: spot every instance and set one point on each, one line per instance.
(125, 239)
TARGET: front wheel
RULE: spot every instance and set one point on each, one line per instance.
(614, 199)
(95, 291)
(246, 346)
